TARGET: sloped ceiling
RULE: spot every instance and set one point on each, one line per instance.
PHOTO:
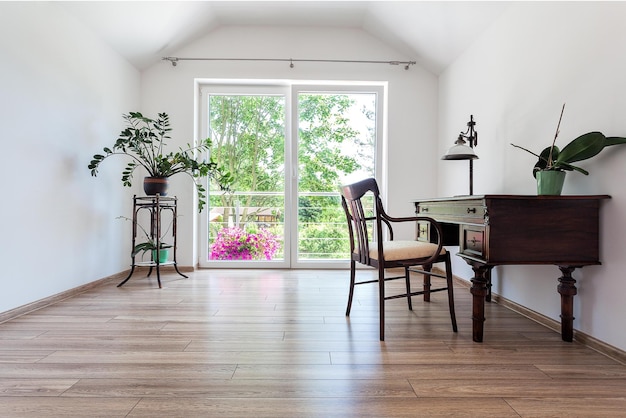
(433, 33)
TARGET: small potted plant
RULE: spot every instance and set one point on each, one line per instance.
(159, 250)
(143, 141)
(151, 245)
(552, 163)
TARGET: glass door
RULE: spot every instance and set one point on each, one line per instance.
(245, 226)
(336, 144)
(288, 149)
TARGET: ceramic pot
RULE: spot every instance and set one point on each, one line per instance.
(154, 185)
(162, 256)
(550, 182)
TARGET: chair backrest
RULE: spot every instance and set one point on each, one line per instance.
(358, 220)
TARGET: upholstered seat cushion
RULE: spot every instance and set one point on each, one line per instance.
(403, 250)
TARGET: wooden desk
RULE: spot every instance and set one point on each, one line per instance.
(493, 230)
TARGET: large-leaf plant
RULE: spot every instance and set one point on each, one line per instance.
(581, 148)
(143, 141)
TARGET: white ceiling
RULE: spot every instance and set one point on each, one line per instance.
(433, 33)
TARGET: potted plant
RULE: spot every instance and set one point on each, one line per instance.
(151, 245)
(143, 141)
(552, 163)
(159, 250)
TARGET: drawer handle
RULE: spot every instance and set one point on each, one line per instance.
(424, 209)
(471, 210)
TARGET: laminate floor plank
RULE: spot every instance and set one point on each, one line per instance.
(377, 371)
(156, 358)
(34, 387)
(580, 407)
(594, 371)
(116, 371)
(435, 357)
(587, 388)
(277, 343)
(56, 407)
(238, 388)
(322, 407)
(90, 343)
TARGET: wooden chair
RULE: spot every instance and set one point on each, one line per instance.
(385, 254)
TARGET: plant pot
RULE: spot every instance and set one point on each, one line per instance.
(550, 182)
(162, 256)
(154, 185)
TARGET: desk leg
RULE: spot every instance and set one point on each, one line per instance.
(488, 278)
(479, 291)
(567, 289)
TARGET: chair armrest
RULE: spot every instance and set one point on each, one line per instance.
(384, 215)
(432, 221)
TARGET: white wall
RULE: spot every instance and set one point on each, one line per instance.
(63, 92)
(514, 80)
(412, 124)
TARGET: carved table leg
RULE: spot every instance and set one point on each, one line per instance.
(488, 278)
(567, 289)
(479, 291)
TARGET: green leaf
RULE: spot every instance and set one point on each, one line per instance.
(569, 167)
(582, 148)
(614, 140)
(143, 247)
(542, 162)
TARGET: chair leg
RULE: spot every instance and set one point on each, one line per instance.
(408, 287)
(381, 301)
(450, 292)
(352, 281)
(427, 268)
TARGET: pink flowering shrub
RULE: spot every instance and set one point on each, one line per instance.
(236, 244)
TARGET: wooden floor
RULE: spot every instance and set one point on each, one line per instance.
(252, 343)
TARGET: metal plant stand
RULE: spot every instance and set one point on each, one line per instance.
(154, 206)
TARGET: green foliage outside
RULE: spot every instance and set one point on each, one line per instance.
(249, 139)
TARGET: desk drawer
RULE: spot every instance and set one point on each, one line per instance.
(473, 241)
(471, 211)
(427, 233)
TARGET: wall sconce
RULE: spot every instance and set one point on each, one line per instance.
(461, 151)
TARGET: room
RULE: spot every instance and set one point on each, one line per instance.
(64, 89)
